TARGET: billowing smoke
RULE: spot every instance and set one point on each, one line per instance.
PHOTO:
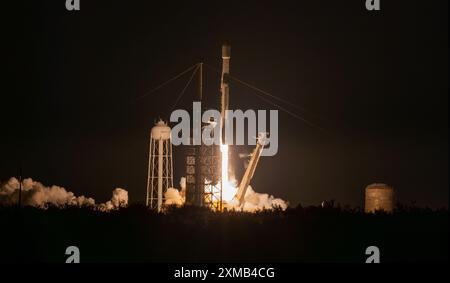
(255, 201)
(183, 184)
(119, 199)
(174, 196)
(37, 195)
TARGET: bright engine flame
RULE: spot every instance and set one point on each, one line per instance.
(226, 190)
(224, 150)
(229, 189)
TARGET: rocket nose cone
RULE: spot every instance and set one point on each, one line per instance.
(226, 51)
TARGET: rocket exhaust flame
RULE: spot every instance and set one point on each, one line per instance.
(229, 188)
(224, 151)
(228, 185)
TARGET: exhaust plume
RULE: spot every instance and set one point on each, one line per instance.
(37, 195)
(119, 199)
(255, 201)
(174, 196)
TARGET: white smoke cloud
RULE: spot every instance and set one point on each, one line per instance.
(37, 195)
(183, 184)
(255, 201)
(173, 197)
(119, 199)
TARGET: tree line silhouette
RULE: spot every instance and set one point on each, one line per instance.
(328, 233)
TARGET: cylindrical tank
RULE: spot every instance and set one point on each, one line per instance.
(160, 131)
(379, 197)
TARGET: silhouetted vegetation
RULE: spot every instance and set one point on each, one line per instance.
(189, 234)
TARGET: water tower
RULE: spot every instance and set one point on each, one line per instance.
(160, 167)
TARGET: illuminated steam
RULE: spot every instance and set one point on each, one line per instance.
(37, 195)
(253, 201)
(119, 199)
(174, 196)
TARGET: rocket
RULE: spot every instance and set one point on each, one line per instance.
(224, 87)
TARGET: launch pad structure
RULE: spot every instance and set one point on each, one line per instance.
(203, 164)
(204, 185)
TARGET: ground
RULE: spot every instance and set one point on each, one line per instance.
(135, 234)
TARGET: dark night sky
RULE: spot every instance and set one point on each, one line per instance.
(376, 81)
